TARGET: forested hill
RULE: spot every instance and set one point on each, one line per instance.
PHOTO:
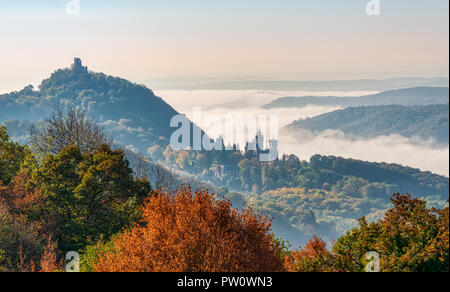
(425, 122)
(410, 96)
(130, 111)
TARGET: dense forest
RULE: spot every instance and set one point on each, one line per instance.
(84, 197)
(234, 169)
(344, 189)
(85, 166)
(424, 122)
(409, 96)
(324, 196)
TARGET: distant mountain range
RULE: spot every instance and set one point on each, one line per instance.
(410, 96)
(131, 112)
(425, 122)
(293, 85)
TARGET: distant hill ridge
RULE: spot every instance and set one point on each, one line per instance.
(409, 96)
(425, 122)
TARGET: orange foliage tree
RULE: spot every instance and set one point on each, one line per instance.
(20, 196)
(190, 232)
(314, 257)
(49, 260)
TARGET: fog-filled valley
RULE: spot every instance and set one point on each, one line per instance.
(408, 149)
(224, 144)
(326, 176)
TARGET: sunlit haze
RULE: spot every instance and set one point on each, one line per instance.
(267, 39)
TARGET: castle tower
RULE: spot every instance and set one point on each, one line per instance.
(77, 65)
(259, 141)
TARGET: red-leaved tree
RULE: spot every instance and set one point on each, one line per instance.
(188, 232)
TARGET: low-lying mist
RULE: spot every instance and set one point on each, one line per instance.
(412, 152)
(407, 151)
(185, 100)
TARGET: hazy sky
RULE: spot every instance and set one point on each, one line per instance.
(292, 39)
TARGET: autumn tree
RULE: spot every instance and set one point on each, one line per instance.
(188, 232)
(49, 260)
(352, 248)
(21, 196)
(439, 247)
(23, 247)
(20, 242)
(314, 257)
(410, 238)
